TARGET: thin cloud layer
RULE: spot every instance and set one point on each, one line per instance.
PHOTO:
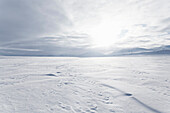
(82, 28)
(27, 19)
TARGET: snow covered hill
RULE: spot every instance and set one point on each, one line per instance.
(85, 85)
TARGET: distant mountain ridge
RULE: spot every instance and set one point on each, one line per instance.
(144, 51)
(65, 52)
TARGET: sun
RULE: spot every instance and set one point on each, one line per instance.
(105, 34)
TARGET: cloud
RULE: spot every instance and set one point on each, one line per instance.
(66, 27)
(27, 19)
(51, 46)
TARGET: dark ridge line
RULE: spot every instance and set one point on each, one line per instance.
(146, 106)
(135, 99)
(50, 75)
(124, 93)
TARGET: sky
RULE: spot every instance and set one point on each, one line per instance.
(83, 27)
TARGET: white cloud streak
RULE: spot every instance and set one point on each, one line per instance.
(72, 26)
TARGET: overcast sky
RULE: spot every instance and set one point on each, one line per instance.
(82, 27)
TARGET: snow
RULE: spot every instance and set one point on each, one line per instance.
(85, 85)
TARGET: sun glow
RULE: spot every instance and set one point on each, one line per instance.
(105, 34)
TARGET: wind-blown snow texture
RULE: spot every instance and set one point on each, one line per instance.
(85, 85)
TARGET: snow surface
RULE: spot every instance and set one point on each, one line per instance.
(85, 85)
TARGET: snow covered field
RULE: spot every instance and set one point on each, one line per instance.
(85, 85)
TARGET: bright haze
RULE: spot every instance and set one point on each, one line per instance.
(84, 27)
